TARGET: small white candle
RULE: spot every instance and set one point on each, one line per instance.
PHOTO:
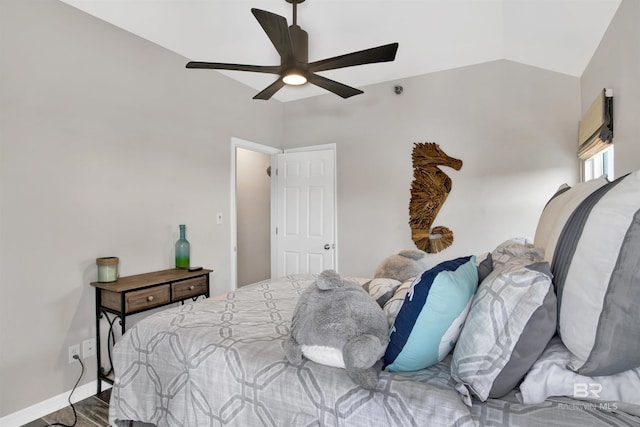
(107, 269)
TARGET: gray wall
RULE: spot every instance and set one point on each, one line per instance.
(253, 207)
(108, 143)
(616, 65)
(512, 125)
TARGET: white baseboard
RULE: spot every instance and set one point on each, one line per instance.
(48, 406)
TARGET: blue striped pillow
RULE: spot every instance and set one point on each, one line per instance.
(432, 315)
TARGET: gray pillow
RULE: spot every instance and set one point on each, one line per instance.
(536, 334)
(485, 267)
(512, 318)
(596, 269)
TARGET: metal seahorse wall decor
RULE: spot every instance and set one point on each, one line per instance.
(429, 190)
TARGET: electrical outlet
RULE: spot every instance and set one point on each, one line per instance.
(74, 350)
(88, 348)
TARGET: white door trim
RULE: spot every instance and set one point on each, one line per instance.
(233, 220)
(313, 148)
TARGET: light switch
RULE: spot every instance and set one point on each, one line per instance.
(219, 218)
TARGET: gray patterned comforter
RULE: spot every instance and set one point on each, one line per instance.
(220, 362)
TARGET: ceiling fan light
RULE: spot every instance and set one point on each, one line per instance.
(294, 79)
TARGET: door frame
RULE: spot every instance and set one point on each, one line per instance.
(233, 214)
(233, 220)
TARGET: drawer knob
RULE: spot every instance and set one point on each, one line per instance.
(191, 287)
(150, 298)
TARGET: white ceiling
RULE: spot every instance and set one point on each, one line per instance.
(434, 35)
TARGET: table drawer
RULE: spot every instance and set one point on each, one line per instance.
(189, 288)
(147, 298)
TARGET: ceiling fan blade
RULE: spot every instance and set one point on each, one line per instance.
(238, 67)
(333, 86)
(276, 28)
(384, 53)
(270, 90)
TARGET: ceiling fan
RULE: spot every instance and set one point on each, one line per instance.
(292, 44)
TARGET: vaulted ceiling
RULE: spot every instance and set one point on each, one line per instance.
(434, 35)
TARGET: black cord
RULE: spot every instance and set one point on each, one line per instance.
(75, 415)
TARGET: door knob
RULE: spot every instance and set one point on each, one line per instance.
(327, 247)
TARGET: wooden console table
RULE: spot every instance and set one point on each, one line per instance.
(142, 292)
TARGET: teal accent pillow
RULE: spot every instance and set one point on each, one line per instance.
(432, 315)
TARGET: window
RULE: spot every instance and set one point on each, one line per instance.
(595, 138)
(599, 164)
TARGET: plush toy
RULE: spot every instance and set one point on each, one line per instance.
(336, 323)
(403, 266)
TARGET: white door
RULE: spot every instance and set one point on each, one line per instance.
(305, 225)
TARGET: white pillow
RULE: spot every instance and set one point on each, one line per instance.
(558, 210)
(389, 294)
(549, 377)
(381, 289)
(393, 305)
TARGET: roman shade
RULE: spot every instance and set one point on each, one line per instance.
(596, 127)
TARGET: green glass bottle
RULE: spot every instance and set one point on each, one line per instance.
(182, 250)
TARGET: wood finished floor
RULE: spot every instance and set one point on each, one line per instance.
(92, 411)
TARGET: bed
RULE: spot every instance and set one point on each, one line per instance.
(220, 361)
